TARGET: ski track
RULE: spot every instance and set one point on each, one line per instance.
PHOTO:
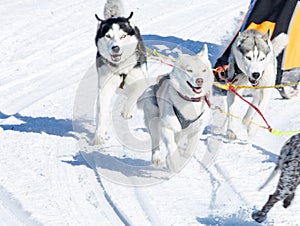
(45, 185)
(12, 212)
(112, 206)
(32, 66)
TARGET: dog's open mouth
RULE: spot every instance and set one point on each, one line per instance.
(196, 89)
(254, 82)
(116, 57)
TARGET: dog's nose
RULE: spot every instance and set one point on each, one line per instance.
(115, 49)
(255, 75)
(199, 81)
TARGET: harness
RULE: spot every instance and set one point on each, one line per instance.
(123, 76)
(182, 120)
(237, 71)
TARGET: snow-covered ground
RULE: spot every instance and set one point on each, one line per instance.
(47, 48)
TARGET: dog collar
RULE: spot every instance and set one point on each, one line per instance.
(196, 99)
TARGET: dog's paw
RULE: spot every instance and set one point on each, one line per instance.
(251, 130)
(156, 160)
(173, 162)
(126, 115)
(127, 111)
(98, 140)
(259, 216)
(230, 135)
(287, 201)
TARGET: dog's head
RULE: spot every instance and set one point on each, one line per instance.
(116, 38)
(252, 53)
(192, 75)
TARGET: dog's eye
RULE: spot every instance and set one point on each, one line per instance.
(123, 36)
(262, 59)
(108, 36)
(248, 58)
(204, 70)
(189, 70)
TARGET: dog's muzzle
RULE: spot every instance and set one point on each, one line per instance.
(115, 56)
(196, 89)
(254, 79)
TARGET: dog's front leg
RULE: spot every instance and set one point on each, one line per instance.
(172, 158)
(105, 93)
(230, 134)
(135, 85)
(194, 132)
(170, 126)
(247, 120)
(262, 100)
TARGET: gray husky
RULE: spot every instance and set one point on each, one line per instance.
(253, 63)
(121, 62)
(177, 106)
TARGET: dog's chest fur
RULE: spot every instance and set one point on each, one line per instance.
(183, 110)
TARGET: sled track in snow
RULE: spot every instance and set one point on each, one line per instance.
(116, 214)
(12, 212)
(122, 217)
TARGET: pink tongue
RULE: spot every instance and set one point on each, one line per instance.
(198, 89)
(116, 57)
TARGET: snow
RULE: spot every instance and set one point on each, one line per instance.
(47, 176)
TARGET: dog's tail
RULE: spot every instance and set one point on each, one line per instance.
(113, 8)
(279, 43)
(270, 177)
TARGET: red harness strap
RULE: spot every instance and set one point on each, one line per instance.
(233, 89)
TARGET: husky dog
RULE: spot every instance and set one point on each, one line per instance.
(253, 62)
(177, 105)
(289, 164)
(120, 60)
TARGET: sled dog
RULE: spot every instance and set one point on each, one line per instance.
(120, 61)
(178, 105)
(289, 164)
(253, 63)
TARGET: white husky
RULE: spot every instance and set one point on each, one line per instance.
(121, 62)
(253, 62)
(178, 105)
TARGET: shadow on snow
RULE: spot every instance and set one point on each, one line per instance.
(235, 219)
(187, 46)
(48, 125)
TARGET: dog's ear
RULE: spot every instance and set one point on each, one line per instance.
(266, 36)
(203, 52)
(130, 20)
(100, 20)
(130, 16)
(241, 38)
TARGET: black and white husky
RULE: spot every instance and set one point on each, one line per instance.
(178, 106)
(121, 62)
(253, 63)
